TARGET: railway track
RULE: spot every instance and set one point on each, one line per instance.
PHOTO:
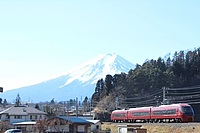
(157, 124)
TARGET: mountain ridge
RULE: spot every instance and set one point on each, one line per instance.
(78, 82)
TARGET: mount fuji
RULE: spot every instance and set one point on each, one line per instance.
(77, 83)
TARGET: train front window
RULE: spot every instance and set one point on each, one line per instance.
(187, 110)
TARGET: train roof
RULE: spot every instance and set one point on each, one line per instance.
(177, 104)
(170, 106)
(121, 110)
(140, 108)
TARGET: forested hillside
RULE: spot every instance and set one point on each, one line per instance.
(119, 91)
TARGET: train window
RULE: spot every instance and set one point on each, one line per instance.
(140, 113)
(119, 115)
(165, 112)
(187, 110)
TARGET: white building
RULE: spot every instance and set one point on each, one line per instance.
(22, 114)
(29, 127)
(95, 126)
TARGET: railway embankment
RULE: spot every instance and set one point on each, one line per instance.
(158, 127)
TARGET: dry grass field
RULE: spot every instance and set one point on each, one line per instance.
(159, 127)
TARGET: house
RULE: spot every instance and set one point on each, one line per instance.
(29, 127)
(67, 124)
(18, 114)
(95, 126)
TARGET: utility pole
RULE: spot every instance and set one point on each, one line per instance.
(90, 104)
(64, 111)
(164, 95)
(76, 107)
(1, 89)
(116, 102)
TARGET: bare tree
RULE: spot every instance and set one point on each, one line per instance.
(4, 125)
(41, 126)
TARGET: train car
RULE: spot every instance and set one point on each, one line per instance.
(142, 114)
(172, 113)
(119, 116)
(165, 113)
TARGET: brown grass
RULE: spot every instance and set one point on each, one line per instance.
(159, 128)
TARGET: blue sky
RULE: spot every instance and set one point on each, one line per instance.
(43, 38)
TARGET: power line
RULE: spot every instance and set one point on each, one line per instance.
(185, 93)
(143, 104)
(146, 96)
(151, 99)
(148, 100)
(190, 95)
(185, 97)
(187, 101)
(185, 88)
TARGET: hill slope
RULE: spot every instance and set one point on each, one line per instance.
(77, 83)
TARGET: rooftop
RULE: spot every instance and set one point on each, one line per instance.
(21, 110)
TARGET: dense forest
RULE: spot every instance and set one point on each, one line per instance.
(142, 86)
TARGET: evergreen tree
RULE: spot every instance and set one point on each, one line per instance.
(86, 104)
(1, 100)
(18, 100)
(182, 70)
(52, 101)
(37, 107)
(5, 102)
(108, 84)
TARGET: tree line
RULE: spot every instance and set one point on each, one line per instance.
(180, 70)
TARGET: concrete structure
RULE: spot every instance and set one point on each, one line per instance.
(131, 129)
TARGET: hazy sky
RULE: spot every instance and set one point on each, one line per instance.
(43, 38)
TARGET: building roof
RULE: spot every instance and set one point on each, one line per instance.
(22, 110)
(74, 120)
(94, 121)
(25, 123)
(86, 117)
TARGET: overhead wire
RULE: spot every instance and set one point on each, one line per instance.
(174, 95)
(190, 95)
(144, 104)
(149, 95)
(147, 100)
(185, 88)
(186, 101)
(181, 93)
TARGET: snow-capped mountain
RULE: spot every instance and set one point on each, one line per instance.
(77, 83)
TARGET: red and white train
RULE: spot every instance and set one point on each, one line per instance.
(165, 113)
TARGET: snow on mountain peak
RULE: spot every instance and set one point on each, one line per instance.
(98, 68)
(68, 86)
